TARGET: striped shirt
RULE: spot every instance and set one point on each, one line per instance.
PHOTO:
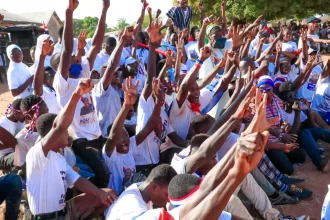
(180, 18)
(273, 111)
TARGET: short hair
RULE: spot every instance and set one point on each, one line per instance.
(283, 90)
(161, 175)
(201, 120)
(60, 32)
(160, 66)
(29, 101)
(103, 69)
(198, 140)
(33, 48)
(17, 104)
(142, 37)
(45, 123)
(48, 74)
(55, 60)
(181, 185)
(110, 41)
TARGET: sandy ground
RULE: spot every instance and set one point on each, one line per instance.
(314, 180)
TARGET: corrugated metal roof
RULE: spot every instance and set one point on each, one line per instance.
(11, 18)
(39, 17)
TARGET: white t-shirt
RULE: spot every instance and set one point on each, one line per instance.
(130, 204)
(24, 144)
(101, 59)
(181, 118)
(47, 180)
(85, 122)
(143, 55)
(308, 89)
(289, 46)
(209, 64)
(11, 127)
(170, 98)
(289, 117)
(49, 96)
(321, 99)
(108, 105)
(121, 166)
(192, 54)
(17, 75)
(310, 43)
(264, 47)
(148, 151)
(132, 121)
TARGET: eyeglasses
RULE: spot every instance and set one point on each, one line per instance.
(267, 89)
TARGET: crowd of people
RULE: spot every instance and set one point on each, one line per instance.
(170, 122)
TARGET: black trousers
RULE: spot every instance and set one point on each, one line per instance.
(284, 161)
(90, 152)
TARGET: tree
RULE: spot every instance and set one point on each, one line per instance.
(122, 23)
(89, 24)
(250, 9)
(77, 27)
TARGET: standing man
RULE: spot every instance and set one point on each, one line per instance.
(180, 15)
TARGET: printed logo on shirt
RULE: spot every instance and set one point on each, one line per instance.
(62, 200)
(214, 83)
(193, 54)
(313, 81)
(88, 106)
(128, 173)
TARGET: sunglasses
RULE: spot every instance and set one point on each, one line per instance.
(267, 89)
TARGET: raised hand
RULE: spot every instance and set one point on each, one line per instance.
(73, 5)
(223, 4)
(158, 13)
(170, 59)
(149, 11)
(1, 18)
(216, 21)
(207, 21)
(47, 47)
(303, 35)
(106, 4)
(82, 40)
(180, 44)
(237, 38)
(204, 53)
(84, 86)
(158, 90)
(234, 57)
(257, 21)
(127, 34)
(154, 31)
(168, 22)
(223, 60)
(279, 47)
(249, 151)
(185, 33)
(130, 92)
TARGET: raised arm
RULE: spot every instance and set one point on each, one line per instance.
(141, 18)
(39, 75)
(167, 66)
(211, 146)
(158, 92)
(115, 57)
(99, 34)
(67, 40)
(303, 37)
(155, 39)
(202, 33)
(65, 117)
(191, 77)
(223, 14)
(118, 125)
(277, 58)
(81, 45)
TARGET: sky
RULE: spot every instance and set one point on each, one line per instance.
(129, 9)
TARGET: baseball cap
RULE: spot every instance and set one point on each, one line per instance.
(311, 50)
(313, 19)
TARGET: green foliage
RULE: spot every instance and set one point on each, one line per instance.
(121, 24)
(88, 23)
(251, 9)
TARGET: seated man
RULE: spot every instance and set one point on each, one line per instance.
(49, 175)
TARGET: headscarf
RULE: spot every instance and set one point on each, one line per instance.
(265, 80)
(208, 31)
(13, 66)
(37, 53)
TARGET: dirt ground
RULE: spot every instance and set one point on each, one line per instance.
(314, 180)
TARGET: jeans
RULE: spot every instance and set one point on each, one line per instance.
(11, 192)
(308, 140)
(90, 152)
(284, 161)
(324, 116)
